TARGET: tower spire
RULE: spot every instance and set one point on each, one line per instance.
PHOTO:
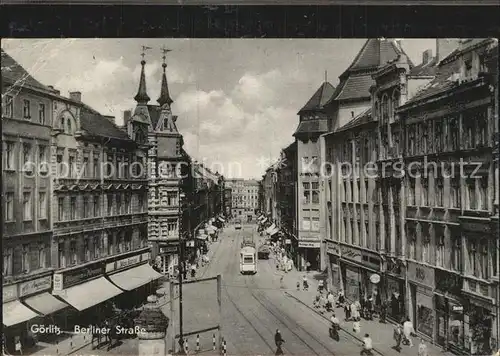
(326, 76)
(142, 95)
(164, 94)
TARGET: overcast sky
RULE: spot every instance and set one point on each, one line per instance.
(237, 99)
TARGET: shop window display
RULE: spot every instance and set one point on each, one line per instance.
(425, 321)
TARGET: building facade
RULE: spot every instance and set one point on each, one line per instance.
(245, 197)
(414, 228)
(165, 161)
(312, 124)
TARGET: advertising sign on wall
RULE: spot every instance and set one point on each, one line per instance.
(309, 244)
(73, 277)
(421, 274)
(35, 286)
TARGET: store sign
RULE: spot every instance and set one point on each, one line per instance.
(308, 244)
(70, 278)
(127, 262)
(332, 248)
(9, 293)
(457, 308)
(35, 286)
(351, 253)
(421, 274)
(168, 249)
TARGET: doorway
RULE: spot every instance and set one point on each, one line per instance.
(413, 306)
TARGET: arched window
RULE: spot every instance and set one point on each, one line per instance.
(70, 129)
(376, 111)
(395, 102)
(61, 123)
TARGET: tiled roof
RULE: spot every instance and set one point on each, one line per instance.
(154, 114)
(464, 46)
(319, 98)
(374, 53)
(355, 87)
(440, 83)
(15, 73)
(428, 69)
(363, 118)
(312, 126)
(97, 125)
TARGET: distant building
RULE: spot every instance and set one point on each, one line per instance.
(245, 198)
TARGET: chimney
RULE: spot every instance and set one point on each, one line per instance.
(110, 118)
(75, 96)
(127, 114)
(444, 46)
(427, 56)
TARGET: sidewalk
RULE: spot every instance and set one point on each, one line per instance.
(382, 334)
(75, 342)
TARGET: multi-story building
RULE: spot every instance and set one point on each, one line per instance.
(448, 132)
(245, 198)
(286, 187)
(228, 201)
(166, 159)
(401, 198)
(93, 209)
(26, 190)
(312, 124)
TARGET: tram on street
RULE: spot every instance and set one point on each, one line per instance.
(248, 260)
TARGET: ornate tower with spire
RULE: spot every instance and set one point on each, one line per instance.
(165, 158)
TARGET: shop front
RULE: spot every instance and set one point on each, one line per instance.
(422, 311)
(334, 273)
(135, 277)
(450, 311)
(167, 257)
(309, 250)
(370, 276)
(86, 289)
(394, 289)
(26, 304)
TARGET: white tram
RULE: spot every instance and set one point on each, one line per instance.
(248, 260)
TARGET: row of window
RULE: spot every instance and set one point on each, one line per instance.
(9, 109)
(27, 206)
(27, 156)
(116, 166)
(32, 258)
(73, 207)
(94, 248)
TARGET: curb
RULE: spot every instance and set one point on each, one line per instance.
(341, 328)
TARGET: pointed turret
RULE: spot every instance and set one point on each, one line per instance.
(142, 95)
(164, 94)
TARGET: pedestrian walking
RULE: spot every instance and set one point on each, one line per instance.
(298, 285)
(305, 283)
(321, 285)
(308, 266)
(383, 312)
(408, 331)
(347, 311)
(398, 335)
(331, 300)
(367, 345)
(341, 298)
(422, 348)
(355, 311)
(278, 340)
(369, 307)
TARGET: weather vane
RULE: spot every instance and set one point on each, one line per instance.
(165, 51)
(144, 49)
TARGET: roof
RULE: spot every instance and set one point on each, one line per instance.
(363, 118)
(357, 79)
(355, 87)
(312, 126)
(319, 98)
(97, 125)
(425, 69)
(292, 146)
(464, 46)
(154, 114)
(374, 53)
(15, 73)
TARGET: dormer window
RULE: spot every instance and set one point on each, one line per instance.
(482, 64)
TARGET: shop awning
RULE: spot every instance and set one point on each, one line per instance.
(135, 277)
(45, 303)
(90, 293)
(14, 313)
(221, 219)
(202, 237)
(270, 228)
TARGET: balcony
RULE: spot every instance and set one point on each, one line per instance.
(98, 223)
